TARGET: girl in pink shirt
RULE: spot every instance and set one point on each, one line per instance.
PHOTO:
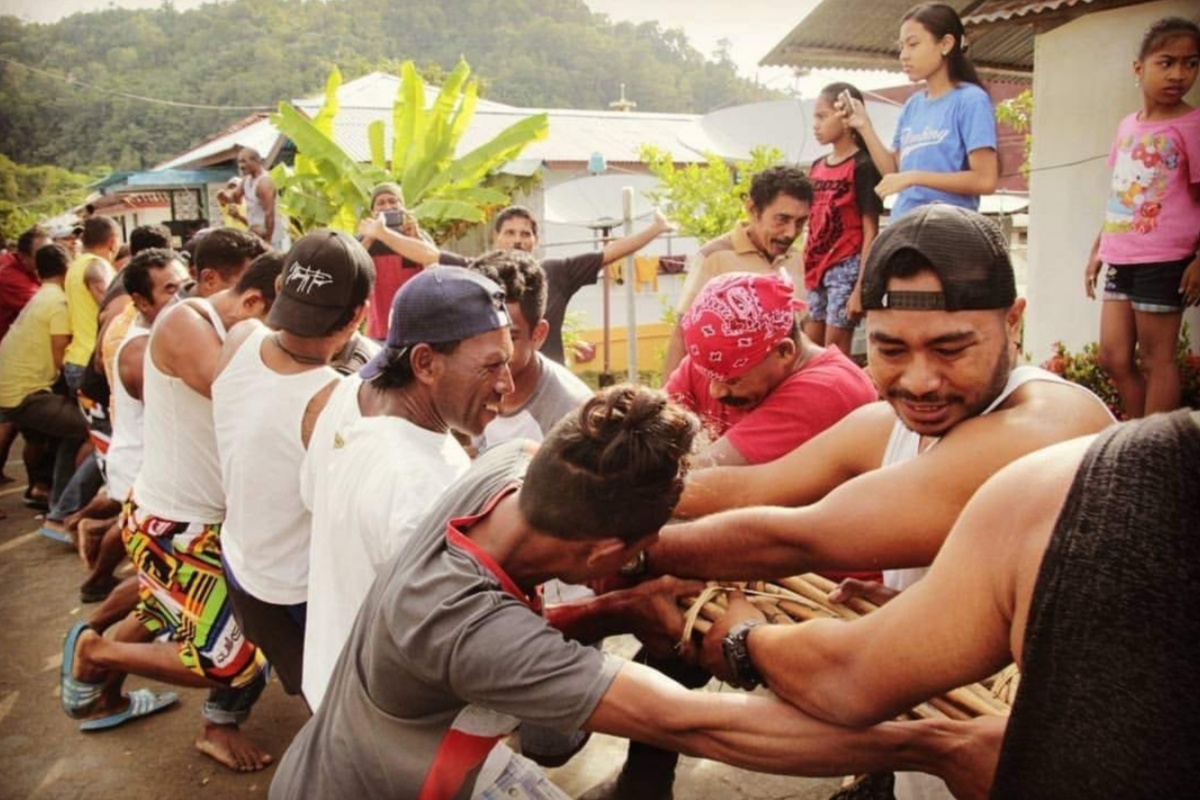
(1152, 224)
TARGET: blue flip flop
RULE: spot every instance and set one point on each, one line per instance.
(56, 536)
(78, 697)
(142, 703)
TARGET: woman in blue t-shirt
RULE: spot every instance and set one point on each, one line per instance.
(944, 150)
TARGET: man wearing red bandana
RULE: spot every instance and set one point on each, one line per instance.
(760, 386)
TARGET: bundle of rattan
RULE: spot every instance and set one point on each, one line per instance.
(806, 597)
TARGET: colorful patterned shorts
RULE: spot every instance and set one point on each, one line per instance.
(183, 595)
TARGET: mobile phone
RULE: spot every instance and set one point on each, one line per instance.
(847, 101)
(393, 219)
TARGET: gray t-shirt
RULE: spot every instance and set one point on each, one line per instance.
(446, 657)
(558, 392)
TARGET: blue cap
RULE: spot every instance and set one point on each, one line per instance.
(441, 304)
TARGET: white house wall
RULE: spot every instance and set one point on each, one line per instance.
(1083, 85)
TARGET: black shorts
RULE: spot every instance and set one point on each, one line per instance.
(1149, 287)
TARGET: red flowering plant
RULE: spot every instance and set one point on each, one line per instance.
(1084, 368)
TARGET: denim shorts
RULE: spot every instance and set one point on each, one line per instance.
(827, 303)
(1149, 287)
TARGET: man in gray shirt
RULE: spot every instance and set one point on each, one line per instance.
(544, 391)
(449, 652)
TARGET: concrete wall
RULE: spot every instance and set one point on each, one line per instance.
(1083, 85)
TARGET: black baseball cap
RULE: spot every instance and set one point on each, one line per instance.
(325, 273)
(440, 304)
(964, 248)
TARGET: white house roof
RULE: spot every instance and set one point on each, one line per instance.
(574, 134)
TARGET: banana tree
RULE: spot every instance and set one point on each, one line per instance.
(326, 186)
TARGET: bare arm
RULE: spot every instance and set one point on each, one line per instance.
(130, 366)
(855, 115)
(185, 345)
(265, 191)
(1092, 270)
(631, 244)
(851, 447)
(960, 623)
(768, 735)
(892, 517)
(58, 347)
(980, 179)
(96, 278)
(649, 610)
(675, 350)
(410, 247)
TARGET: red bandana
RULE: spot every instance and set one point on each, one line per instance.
(736, 320)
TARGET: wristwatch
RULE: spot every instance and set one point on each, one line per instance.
(737, 655)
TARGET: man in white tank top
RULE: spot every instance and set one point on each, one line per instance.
(943, 325)
(269, 388)
(171, 529)
(263, 215)
(153, 280)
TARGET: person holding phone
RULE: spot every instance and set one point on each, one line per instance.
(399, 249)
(944, 150)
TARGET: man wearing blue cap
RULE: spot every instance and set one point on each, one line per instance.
(383, 449)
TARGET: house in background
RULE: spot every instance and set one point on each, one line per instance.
(1077, 56)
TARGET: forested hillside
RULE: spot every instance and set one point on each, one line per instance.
(552, 53)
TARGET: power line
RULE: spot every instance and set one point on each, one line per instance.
(128, 95)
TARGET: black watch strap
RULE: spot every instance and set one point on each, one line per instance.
(737, 654)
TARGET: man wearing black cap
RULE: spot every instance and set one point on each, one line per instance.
(270, 384)
(444, 369)
(943, 322)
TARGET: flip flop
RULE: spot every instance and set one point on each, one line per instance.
(78, 697)
(56, 536)
(142, 703)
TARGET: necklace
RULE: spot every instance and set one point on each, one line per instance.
(299, 358)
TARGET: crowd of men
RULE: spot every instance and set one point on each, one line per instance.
(359, 464)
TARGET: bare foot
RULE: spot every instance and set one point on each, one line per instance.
(87, 540)
(229, 746)
(82, 669)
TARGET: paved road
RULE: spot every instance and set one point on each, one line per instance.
(44, 756)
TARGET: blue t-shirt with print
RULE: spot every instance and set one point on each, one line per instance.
(937, 136)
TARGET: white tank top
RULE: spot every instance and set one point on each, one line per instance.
(124, 459)
(180, 478)
(259, 414)
(256, 215)
(904, 444)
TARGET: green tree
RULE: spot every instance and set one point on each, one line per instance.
(328, 187)
(29, 194)
(705, 200)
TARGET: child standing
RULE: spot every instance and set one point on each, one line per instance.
(1152, 224)
(842, 225)
(944, 150)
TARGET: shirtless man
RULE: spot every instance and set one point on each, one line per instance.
(1054, 572)
(874, 492)
(171, 530)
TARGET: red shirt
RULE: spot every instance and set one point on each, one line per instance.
(808, 401)
(391, 272)
(17, 286)
(842, 194)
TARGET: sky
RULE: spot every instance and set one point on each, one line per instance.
(752, 27)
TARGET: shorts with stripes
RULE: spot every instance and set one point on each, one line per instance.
(183, 595)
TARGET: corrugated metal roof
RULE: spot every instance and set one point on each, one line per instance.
(998, 10)
(861, 34)
(257, 133)
(574, 134)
